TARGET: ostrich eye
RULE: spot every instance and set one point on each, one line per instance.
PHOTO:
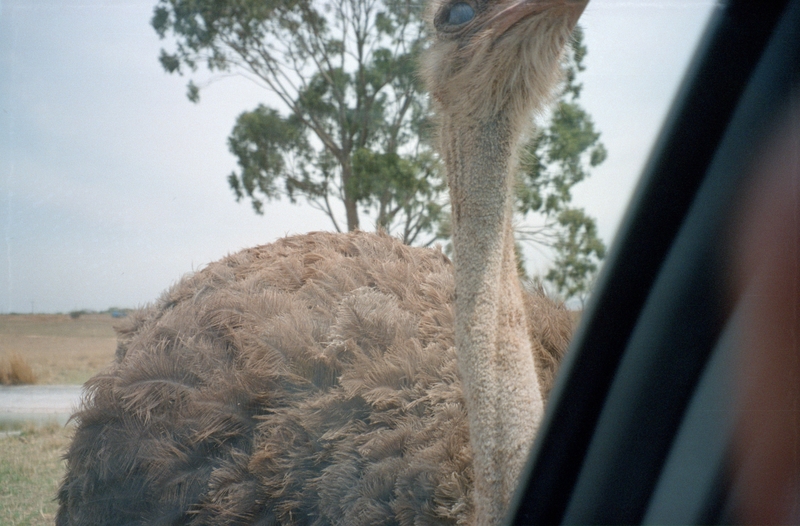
(460, 13)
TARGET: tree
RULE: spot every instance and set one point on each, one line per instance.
(353, 130)
(578, 251)
(554, 161)
(345, 71)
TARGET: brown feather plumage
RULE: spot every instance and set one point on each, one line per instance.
(310, 381)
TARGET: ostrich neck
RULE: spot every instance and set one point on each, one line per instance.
(502, 393)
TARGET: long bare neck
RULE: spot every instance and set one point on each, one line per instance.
(502, 392)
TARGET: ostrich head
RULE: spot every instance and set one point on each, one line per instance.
(490, 56)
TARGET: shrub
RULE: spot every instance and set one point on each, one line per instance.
(16, 371)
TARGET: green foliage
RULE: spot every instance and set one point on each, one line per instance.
(578, 251)
(554, 161)
(345, 73)
(352, 131)
(407, 188)
(264, 142)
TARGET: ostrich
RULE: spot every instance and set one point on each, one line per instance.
(347, 378)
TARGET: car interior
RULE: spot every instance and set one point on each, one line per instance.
(644, 422)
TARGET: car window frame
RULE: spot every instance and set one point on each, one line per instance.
(661, 304)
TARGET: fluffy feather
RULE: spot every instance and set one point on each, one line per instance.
(310, 381)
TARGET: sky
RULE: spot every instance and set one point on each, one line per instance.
(113, 185)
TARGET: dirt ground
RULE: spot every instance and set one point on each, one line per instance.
(59, 349)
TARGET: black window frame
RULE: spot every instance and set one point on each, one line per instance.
(663, 309)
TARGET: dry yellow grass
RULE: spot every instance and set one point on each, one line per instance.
(30, 471)
(59, 349)
(16, 371)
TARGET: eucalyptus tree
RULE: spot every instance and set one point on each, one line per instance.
(353, 110)
(351, 133)
(559, 157)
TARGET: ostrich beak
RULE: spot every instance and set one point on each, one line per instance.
(521, 9)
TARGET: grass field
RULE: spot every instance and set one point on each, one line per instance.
(30, 470)
(59, 349)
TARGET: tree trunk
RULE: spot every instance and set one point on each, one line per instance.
(350, 205)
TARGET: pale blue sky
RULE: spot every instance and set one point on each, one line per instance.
(112, 184)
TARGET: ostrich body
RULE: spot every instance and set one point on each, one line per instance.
(347, 378)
